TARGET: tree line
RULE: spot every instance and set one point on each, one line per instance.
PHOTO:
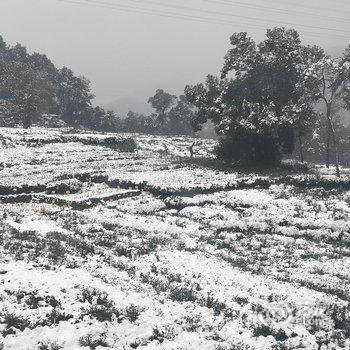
(173, 116)
(272, 99)
(31, 86)
(273, 96)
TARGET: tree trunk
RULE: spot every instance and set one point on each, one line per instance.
(331, 132)
(336, 155)
(27, 121)
(328, 146)
(301, 150)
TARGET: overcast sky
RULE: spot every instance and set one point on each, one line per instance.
(127, 53)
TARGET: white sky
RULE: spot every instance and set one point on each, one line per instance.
(124, 53)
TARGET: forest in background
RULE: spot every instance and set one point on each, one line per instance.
(274, 99)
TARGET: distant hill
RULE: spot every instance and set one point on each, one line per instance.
(136, 101)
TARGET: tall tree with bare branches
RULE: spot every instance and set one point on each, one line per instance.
(328, 81)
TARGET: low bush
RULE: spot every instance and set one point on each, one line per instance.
(56, 316)
(183, 294)
(265, 331)
(341, 319)
(93, 342)
(11, 321)
(132, 313)
(114, 143)
(215, 305)
(64, 187)
(102, 308)
(49, 345)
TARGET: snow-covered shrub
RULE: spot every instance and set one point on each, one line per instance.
(13, 321)
(55, 316)
(48, 345)
(101, 307)
(341, 319)
(215, 304)
(132, 313)
(93, 341)
(183, 293)
(54, 248)
(50, 121)
(64, 187)
(115, 143)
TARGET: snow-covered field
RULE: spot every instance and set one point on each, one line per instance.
(101, 249)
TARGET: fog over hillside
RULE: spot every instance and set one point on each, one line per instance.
(137, 100)
(133, 51)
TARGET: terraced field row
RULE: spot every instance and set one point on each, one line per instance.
(180, 256)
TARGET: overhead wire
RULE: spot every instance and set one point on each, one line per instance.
(162, 13)
(161, 4)
(152, 12)
(302, 5)
(277, 10)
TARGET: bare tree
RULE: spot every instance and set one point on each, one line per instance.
(327, 81)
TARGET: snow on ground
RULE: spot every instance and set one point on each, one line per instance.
(163, 252)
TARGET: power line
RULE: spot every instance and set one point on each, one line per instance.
(277, 10)
(342, 2)
(175, 15)
(155, 13)
(225, 14)
(161, 13)
(328, 9)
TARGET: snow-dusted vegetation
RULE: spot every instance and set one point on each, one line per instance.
(108, 246)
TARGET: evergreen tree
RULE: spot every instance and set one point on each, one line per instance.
(73, 97)
(259, 102)
(26, 92)
(162, 102)
(180, 118)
